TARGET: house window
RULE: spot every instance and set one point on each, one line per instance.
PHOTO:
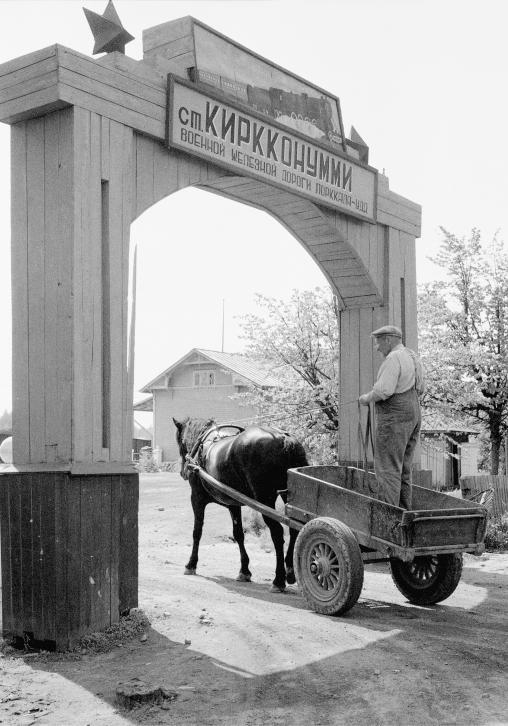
(204, 378)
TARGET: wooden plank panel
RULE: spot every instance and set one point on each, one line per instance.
(397, 223)
(25, 74)
(74, 557)
(95, 552)
(144, 174)
(374, 268)
(345, 400)
(395, 272)
(160, 34)
(164, 173)
(31, 105)
(48, 623)
(27, 565)
(357, 237)
(95, 283)
(104, 148)
(138, 68)
(29, 60)
(62, 577)
(394, 203)
(19, 267)
(15, 488)
(128, 536)
(105, 93)
(64, 191)
(118, 289)
(411, 291)
(6, 553)
(36, 297)
(125, 89)
(354, 380)
(151, 126)
(127, 214)
(83, 310)
(114, 540)
(53, 251)
(29, 86)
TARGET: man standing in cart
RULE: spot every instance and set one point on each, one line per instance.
(395, 394)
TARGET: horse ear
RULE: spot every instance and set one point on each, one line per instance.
(177, 423)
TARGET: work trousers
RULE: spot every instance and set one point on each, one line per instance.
(398, 422)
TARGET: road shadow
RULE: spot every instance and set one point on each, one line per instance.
(447, 664)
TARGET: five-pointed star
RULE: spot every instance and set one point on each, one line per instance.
(108, 31)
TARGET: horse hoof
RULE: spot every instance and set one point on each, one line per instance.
(189, 571)
(277, 588)
(290, 577)
(243, 578)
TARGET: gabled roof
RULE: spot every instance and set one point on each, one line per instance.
(252, 371)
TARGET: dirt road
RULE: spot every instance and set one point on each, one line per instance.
(237, 655)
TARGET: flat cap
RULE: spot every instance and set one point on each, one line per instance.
(387, 330)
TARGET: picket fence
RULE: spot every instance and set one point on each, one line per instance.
(475, 484)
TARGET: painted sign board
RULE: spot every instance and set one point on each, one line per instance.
(245, 76)
(210, 126)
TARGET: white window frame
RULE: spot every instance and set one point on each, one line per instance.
(203, 378)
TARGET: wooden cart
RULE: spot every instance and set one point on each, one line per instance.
(344, 526)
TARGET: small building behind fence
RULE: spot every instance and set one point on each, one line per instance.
(450, 449)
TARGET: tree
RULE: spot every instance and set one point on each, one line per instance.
(6, 421)
(464, 335)
(299, 340)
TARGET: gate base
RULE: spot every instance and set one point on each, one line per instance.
(69, 554)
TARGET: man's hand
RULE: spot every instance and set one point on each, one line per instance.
(364, 400)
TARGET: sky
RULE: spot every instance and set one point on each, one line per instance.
(422, 81)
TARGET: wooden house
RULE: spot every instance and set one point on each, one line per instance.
(450, 449)
(203, 384)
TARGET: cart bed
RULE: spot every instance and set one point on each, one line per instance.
(437, 524)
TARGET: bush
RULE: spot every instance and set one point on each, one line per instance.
(496, 537)
(147, 463)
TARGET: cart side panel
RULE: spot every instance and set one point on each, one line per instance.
(309, 497)
(348, 477)
(424, 498)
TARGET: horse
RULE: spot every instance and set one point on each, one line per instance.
(253, 462)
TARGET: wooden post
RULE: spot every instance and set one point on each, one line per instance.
(69, 506)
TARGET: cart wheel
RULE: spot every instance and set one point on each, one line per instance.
(328, 566)
(429, 579)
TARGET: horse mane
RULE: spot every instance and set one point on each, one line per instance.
(193, 428)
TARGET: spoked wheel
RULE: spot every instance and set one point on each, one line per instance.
(328, 566)
(429, 579)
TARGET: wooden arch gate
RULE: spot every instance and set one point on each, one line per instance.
(86, 160)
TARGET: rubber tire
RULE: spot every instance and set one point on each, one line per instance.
(341, 552)
(445, 572)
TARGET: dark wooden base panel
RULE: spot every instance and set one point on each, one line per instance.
(69, 554)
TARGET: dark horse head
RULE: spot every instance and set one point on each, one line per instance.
(254, 462)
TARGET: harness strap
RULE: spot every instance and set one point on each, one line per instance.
(200, 441)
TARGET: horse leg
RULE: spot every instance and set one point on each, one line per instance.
(293, 534)
(198, 507)
(239, 536)
(290, 572)
(277, 533)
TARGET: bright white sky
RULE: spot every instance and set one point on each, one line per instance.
(423, 82)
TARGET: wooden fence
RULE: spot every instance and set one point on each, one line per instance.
(475, 484)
